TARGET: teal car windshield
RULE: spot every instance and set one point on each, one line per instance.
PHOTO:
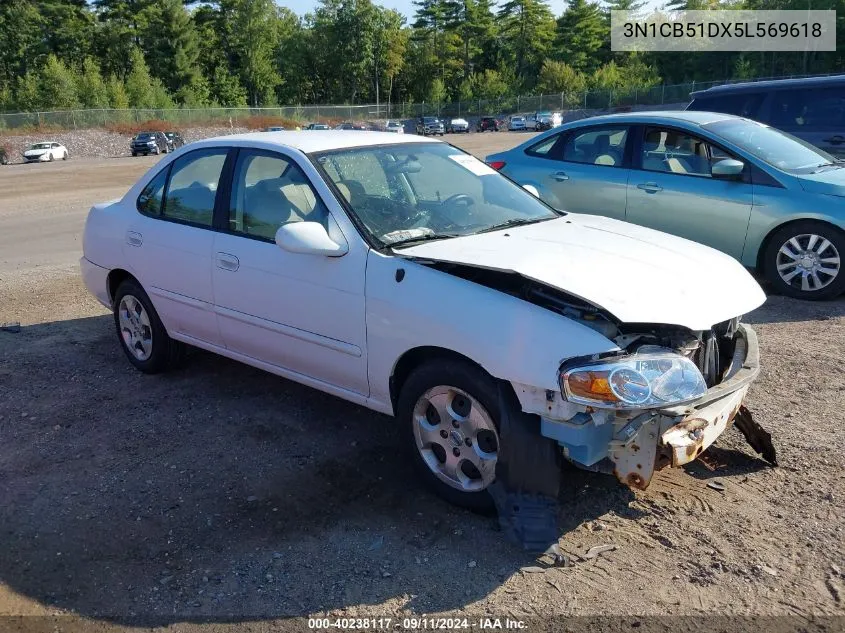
(778, 149)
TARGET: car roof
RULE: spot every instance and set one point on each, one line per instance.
(772, 84)
(656, 116)
(316, 141)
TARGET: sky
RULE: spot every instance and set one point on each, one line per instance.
(406, 7)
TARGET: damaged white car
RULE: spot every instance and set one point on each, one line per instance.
(411, 278)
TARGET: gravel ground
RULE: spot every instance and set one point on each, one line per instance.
(219, 493)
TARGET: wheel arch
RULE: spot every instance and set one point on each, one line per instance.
(418, 356)
(116, 277)
(760, 261)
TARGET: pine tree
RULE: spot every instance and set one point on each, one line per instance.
(226, 90)
(117, 93)
(527, 28)
(581, 35)
(253, 41)
(57, 86)
(139, 83)
(93, 92)
(170, 43)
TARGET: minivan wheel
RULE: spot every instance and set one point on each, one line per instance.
(450, 411)
(804, 260)
(141, 332)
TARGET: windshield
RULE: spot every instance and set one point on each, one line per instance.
(772, 146)
(145, 136)
(416, 191)
(40, 146)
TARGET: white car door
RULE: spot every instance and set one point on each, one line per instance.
(168, 243)
(300, 312)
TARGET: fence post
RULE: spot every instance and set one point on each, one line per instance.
(561, 101)
(663, 94)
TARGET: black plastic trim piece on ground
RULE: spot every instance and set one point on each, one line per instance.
(527, 479)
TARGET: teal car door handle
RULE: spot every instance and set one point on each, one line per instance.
(560, 176)
(649, 187)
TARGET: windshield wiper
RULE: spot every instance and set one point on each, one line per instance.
(839, 164)
(513, 222)
(422, 238)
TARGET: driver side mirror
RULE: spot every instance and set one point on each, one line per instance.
(728, 169)
(310, 238)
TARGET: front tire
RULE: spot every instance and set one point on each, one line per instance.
(804, 260)
(50, 157)
(141, 333)
(450, 411)
(65, 156)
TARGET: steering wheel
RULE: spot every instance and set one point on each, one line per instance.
(459, 198)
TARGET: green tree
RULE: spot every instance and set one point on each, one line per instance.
(139, 83)
(57, 85)
(560, 77)
(21, 28)
(527, 30)
(171, 49)
(581, 34)
(117, 93)
(27, 93)
(93, 92)
(437, 93)
(226, 90)
(253, 33)
(70, 29)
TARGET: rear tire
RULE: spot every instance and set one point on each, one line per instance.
(460, 466)
(65, 156)
(50, 157)
(803, 260)
(141, 333)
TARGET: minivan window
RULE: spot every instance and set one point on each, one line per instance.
(798, 109)
(744, 104)
(772, 146)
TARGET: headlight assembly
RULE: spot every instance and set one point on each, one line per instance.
(650, 380)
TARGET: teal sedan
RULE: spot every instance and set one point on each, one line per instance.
(772, 201)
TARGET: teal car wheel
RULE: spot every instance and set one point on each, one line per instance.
(804, 260)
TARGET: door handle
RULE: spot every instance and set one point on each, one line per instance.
(133, 238)
(835, 140)
(560, 176)
(649, 187)
(228, 262)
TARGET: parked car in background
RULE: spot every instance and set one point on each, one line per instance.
(516, 124)
(45, 152)
(149, 143)
(397, 127)
(174, 140)
(430, 126)
(772, 201)
(458, 126)
(275, 128)
(546, 120)
(371, 234)
(813, 109)
(317, 126)
(352, 125)
(489, 123)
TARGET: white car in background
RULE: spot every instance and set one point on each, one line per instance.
(44, 152)
(413, 279)
(458, 126)
(517, 124)
(396, 127)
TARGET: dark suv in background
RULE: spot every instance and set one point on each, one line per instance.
(149, 143)
(813, 109)
(430, 126)
(174, 140)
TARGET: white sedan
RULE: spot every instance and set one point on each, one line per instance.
(407, 276)
(44, 152)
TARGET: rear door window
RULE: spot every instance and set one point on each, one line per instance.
(192, 188)
(597, 146)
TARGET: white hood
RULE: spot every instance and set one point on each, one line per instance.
(637, 274)
(35, 152)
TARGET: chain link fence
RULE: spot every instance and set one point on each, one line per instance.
(572, 104)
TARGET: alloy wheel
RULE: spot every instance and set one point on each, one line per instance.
(135, 328)
(456, 438)
(808, 262)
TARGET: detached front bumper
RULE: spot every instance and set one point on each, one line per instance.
(634, 444)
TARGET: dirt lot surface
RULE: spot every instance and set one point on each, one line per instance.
(219, 493)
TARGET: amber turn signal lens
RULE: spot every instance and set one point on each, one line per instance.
(591, 384)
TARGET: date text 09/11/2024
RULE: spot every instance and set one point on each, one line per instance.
(415, 624)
